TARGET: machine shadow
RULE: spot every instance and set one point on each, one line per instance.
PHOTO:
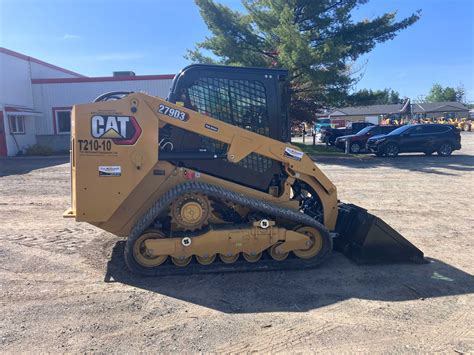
(24, 165)
(420, 163)
(299, 291)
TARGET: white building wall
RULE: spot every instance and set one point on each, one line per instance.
(15, 81)
(16, 72)
(41, 71)
(50, 95)
(16, 89)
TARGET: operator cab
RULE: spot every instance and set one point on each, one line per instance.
(252, 98)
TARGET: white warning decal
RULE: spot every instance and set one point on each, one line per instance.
(110, 170)
(293, 153)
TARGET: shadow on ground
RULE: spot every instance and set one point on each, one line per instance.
(416, 162)
(298, 291)
(24, 165)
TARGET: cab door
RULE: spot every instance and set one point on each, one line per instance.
(249, 98)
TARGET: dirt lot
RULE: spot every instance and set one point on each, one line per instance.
(53, 296)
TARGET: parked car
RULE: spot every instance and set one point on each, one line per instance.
(329, 135)
(357, 142)
(425, 138)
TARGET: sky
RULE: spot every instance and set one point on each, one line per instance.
(98, 37)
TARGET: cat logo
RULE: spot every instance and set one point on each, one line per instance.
(122, 130)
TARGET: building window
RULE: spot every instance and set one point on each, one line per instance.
(17, 124)
(63, 120)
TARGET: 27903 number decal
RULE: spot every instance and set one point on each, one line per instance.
(173, 112)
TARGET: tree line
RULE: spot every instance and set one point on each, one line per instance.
(437, 93)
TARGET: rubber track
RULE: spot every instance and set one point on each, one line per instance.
(168, 268)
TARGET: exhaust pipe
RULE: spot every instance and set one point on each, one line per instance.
(367, 239)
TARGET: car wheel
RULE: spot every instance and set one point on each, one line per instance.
(355, 148)
(391, 150)
(445, 149)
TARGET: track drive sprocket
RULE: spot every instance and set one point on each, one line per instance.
(190, 212)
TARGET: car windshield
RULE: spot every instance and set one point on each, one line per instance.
(324, 120)
(399, 130)
(364, 130)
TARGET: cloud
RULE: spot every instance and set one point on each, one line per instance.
(69, 37)
(119, 56)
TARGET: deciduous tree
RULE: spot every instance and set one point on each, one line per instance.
(439, 93)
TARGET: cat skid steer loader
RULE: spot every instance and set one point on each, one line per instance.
(207, 180)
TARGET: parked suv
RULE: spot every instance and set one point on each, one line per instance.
(425, 138)
(357, 142)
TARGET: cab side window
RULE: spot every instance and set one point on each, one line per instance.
(242, 103)
(239, 102)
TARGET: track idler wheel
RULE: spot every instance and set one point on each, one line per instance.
(315, 243)
(140, 252)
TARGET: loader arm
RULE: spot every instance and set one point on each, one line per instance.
(241, 142)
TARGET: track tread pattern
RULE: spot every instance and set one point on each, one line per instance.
(241, 265)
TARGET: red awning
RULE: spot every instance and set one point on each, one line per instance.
(21, 110)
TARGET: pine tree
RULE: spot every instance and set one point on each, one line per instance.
(317, 41)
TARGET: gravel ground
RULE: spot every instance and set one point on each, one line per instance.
(63, 287)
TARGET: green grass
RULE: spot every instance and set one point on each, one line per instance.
(319, 149)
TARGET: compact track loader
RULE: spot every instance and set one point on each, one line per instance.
(207, 181)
